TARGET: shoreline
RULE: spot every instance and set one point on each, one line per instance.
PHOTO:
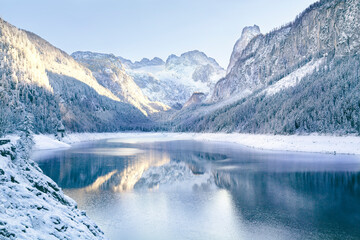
(293, 143)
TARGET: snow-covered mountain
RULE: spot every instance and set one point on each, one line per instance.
(326, 27)
(145, 62)
(301, 77)
(40, 79)
(109, 72)
(173, 82)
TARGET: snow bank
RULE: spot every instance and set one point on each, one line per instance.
(32, 206)
(311, 143)
(294, 143)
(43, 142)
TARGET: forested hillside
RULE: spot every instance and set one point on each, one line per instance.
(326, 101)
(326, 26)
(43, 82)
(300, 78)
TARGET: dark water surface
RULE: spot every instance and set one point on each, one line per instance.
(232, 192)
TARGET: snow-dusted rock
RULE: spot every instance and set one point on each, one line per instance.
(248, 33)
(195, 99)
(32, 206)
(145, 62)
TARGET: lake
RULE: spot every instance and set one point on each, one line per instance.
(208, 190)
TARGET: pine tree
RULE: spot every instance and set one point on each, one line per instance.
(26, 139)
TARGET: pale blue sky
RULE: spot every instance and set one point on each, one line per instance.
(148, 28)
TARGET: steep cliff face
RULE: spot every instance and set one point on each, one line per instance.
(301, 78)
(109, 72)
(247, 35)
(326, 27)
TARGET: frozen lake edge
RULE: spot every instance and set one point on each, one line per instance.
(294, 143)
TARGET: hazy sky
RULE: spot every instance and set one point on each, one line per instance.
(148, 28)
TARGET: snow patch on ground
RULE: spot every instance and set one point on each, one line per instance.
(44, 142)
(296, 143)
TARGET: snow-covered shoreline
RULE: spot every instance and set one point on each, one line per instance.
(32, 206)
(293, 143)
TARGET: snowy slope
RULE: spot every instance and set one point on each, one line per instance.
(32, 206)
(295, 77)
(49, 84)
(174, 81)
(109, 72)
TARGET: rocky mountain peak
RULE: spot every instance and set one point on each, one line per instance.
(174, 82)
(145, 62)
(251, 30)
(326, 28)
(248, 33)
(195, 99)
(110, 72)
(191, 58)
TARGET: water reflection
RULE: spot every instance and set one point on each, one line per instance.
(111, 151)
(94, 169)
(312, 202)
(127, 179)
(260, 195)
(100, 181)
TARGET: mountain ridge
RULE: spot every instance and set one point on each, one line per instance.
(110, 73)
(43, 81)
(281, 49)
(174, 81)
(299, 78)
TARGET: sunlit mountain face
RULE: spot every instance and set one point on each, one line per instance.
(110, 73)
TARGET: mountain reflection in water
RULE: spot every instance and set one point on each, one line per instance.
(115, 169)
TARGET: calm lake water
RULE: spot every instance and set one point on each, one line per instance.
(202, 190)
